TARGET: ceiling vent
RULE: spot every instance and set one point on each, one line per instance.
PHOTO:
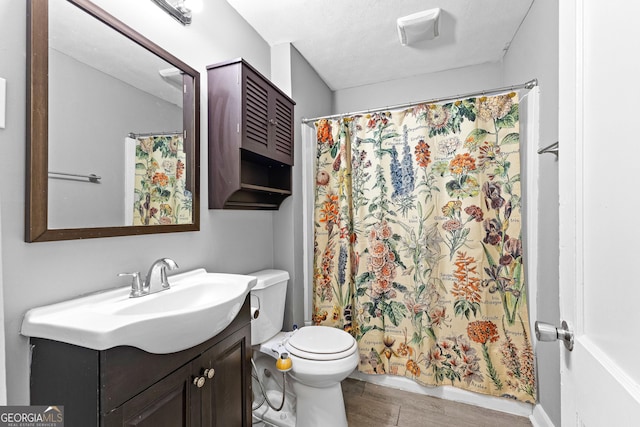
(419, 26)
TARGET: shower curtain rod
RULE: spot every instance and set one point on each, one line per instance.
(136, 135)
(528, 85)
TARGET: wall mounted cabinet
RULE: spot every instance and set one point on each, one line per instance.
(205, 386)
(250, 138)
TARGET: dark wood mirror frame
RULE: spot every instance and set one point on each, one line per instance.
(36, 214)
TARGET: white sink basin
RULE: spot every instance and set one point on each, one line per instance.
(197, 307)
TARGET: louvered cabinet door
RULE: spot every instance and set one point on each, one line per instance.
(268, 129)
(281, 125)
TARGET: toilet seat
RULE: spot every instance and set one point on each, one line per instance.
(321, 343)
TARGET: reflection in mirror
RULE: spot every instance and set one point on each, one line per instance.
(119, 154)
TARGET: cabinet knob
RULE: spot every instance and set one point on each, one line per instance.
(274, 122)
(209, 373)
(199, 381)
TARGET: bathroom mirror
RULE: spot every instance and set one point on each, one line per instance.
(112, 128)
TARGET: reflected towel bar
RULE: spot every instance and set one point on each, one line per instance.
(134, 135)
(553, 149)
(74, 177)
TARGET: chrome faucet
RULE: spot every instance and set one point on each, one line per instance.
(156, 279)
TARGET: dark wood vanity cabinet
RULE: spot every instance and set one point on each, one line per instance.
(125, 386)
(250, 138)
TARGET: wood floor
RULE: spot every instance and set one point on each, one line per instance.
(373, 405)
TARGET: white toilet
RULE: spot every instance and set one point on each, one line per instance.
(322, 356)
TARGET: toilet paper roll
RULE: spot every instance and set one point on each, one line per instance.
(255, 312)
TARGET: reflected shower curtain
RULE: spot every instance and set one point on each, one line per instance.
(418, 249)
(160, 193)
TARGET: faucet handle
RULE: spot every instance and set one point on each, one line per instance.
(136, 285)
(166, 263)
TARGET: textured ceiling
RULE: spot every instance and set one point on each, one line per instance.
(355, 42)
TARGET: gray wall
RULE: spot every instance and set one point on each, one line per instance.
(41, 273)
(91, 114)
(534, 53)
(418, 88)
(313, 98)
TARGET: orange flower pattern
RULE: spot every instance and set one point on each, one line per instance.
(179, 169)
(423, 155)
(482, 331)
(418, 247)
(160, 179)
(329, 213)
(466, 287)
(462, 163)
(324, 132)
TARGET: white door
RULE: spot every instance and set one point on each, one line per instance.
(600, 211)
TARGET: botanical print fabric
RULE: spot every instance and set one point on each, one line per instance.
(418, 249)
(161, 196)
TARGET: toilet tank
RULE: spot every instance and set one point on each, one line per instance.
(270, 293)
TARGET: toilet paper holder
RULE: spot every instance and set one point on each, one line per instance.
(255, 311)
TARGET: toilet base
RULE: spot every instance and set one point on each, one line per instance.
(304, 406)
(286, 417)
(271, 379)
(319, 407)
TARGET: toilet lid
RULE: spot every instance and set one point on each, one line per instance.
(321, 343)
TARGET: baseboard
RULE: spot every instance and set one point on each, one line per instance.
(451, 393)
(539, 417)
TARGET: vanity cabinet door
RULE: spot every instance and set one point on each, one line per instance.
(164, 404)
(225, 399)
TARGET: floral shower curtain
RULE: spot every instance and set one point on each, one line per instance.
(418, 248)
(160, 193)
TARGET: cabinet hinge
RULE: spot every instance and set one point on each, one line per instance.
(238, 127)
(184, 88)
